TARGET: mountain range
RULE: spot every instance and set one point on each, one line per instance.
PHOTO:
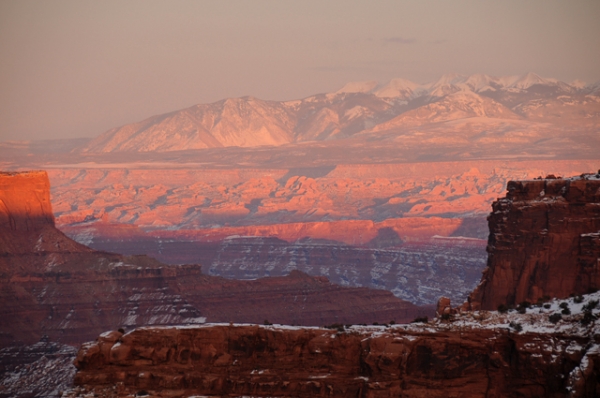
(517, 108)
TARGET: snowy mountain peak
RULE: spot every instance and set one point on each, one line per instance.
(446, 80)
(397, 88)
(528, 80)
(578, 84)
(480, 82)
(358, 87)
(593, 89)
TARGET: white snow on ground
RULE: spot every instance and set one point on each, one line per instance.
(534, 320)
(53, 373)
(48, 376)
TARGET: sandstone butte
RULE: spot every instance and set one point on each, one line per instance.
(544, 241)
(51, 285)
(469, 354)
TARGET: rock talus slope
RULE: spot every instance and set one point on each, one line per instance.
(544, 241)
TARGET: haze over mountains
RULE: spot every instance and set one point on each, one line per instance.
(519, 109)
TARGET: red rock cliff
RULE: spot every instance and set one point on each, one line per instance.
(361, 362)
(544, 241)
(25, 201)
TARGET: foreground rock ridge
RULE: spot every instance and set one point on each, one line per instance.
(476, 354)
(51, 285)
(544, 241)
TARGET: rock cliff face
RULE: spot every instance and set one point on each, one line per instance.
(51, 285)
(434, 360)
(26, 218)
(25, 201)
(544, 241)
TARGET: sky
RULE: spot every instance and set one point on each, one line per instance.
(78, 68)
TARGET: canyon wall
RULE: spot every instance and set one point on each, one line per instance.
(419, 272)
(51, 285)
(443, 266)
(414, 361)
(544, 241)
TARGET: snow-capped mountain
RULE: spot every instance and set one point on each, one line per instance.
(399, 88)
(360, 109)
(358, 87)
(592, 89)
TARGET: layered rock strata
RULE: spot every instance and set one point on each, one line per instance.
(544, 241)
(475, 355)
(417, 272)
(51, 285)
(180, 212)
(44, 369)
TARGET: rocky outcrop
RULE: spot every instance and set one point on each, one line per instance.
(542, 350)
(466, 357)
(544, 241)
(52, 285)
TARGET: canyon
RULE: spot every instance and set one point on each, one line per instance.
(374, 172)
(418, 230)
(342, 208)
(542, 244)
(548, 349)
(53, 286)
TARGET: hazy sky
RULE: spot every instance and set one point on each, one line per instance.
(77, 68)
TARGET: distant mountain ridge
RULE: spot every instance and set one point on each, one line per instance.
(358, 110)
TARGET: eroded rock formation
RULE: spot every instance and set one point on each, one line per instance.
(544, 241)
(51, 285)
(188, 214)
(433, 360)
